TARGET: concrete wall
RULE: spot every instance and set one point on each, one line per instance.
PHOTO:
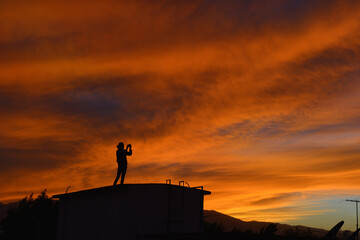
(129, 210)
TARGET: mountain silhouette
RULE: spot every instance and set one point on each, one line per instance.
(231, 223)
(3, 210)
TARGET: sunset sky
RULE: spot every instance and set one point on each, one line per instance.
(257, 101)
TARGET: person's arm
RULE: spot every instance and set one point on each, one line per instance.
(128, 152)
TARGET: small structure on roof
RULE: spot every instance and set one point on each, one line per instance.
(130, 211)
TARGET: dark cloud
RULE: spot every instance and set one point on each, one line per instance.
(165, 25)
(220, 175)
(289, 210)
(335, 160)
(277, 199)
(41, 155)
(134, 106)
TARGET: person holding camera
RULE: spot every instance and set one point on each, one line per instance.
(121, 154)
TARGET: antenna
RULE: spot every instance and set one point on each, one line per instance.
(357, 215)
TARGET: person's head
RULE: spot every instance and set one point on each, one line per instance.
(120, 145)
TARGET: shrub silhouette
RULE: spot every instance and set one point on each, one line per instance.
(268, 231)
(214, 227)
(31, 219)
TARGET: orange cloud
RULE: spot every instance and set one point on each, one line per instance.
(255, 100)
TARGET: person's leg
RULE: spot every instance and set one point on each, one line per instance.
(123, 172)
(117, 175)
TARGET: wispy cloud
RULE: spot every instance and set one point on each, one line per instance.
(247, 98)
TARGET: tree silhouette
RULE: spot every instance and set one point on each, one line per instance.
(298, 234)
(268, 231)
(31, 219)
(213, 227)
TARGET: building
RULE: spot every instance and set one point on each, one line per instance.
(130, 211)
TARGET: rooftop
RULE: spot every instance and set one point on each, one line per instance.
(124, 187)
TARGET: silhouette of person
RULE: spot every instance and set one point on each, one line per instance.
(121, 154)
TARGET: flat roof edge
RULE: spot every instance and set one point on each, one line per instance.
(122, 187)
